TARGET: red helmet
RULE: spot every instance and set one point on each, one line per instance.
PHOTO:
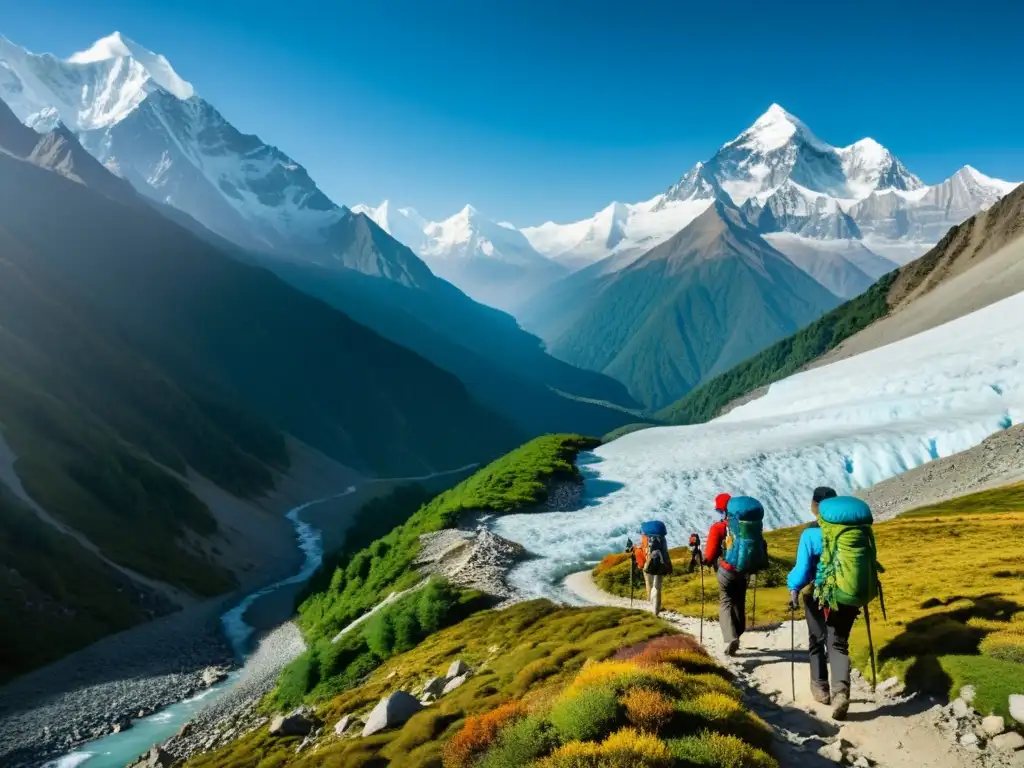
(722, 501)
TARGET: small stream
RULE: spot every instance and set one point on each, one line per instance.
(117, 750)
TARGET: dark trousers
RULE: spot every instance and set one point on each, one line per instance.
(828, 644)
(732, 603)
(696, 561)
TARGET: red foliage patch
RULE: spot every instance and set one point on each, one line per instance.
(651, 648)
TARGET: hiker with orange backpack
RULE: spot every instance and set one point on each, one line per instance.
(653, 559)
(836, 555)
(735, 548)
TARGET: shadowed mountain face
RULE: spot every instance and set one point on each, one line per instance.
(132, 353)
(382, 284)
(695, 305)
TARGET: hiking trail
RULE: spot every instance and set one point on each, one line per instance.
(890, 731)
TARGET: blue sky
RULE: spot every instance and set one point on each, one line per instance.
(535, 110)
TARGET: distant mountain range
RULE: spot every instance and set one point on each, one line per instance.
(138, 118)
(845, 215)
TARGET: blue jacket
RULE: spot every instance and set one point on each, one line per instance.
(808, 553)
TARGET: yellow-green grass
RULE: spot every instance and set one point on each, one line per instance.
(529, 651)
(953, 587)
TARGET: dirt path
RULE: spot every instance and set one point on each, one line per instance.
(890, 732)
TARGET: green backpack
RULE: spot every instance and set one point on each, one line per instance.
(848, 569)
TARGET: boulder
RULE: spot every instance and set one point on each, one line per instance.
(298, 723)
(390, 712)
(862, 762)
(155, 758)
(343, 725)
(1017, 707)
(214, 675)
(969, 739)
(121, 726)
(993, 725)
(961, 709)
(434, 686)
(454, 683)
(967, 693)
(833, 751)
(1008, 742)
(458, 669)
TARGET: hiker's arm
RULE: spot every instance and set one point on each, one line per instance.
(713, 546)
(803, 571)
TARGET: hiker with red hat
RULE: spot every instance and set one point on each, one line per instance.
(732, 584)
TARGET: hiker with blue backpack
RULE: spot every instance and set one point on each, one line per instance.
(837, 556)
(735, 549)
(653, 559)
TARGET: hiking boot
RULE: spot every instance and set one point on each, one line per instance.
(820, 693)
(730, 650)
(840, 705)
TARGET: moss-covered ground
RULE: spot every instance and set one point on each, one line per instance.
(552, 686)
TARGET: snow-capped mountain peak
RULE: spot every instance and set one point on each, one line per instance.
(774, 130)
(116, 46)
(869, 167)
(972, 175)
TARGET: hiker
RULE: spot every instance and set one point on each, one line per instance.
(833, 604)
(696, 559)
(735, 548)
(653, 559)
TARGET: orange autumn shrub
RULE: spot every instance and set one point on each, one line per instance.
(479, 732)
(610, 561)
(648, 710)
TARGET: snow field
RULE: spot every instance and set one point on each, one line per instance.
(849, 425)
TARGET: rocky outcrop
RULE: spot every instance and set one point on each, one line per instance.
(391, 712)
(476, 559)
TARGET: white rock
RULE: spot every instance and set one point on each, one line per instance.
(862, 762)
(434, 686)
(1017, 707)
(889, 685)
(993, 725)
(960, 708)
(343, 725)
(458, 669)
(969, 739)
(967, 693)
(454, 683)
(1007, 742)
(833, 752)
(391, 711)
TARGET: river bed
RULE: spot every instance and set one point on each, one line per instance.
(117, 750)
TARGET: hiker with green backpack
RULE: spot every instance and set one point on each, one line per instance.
(736, 549)
(837, 555)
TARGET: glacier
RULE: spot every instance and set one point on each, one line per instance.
(850, 425)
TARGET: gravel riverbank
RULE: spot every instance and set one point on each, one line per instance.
(47, 712)
(234, 713)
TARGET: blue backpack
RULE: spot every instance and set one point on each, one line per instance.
(658, 562)
(746, 551)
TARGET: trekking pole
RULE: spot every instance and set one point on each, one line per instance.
(753, 610)
(632, 562)
(792, 646)
(702, 601)
(871, 647)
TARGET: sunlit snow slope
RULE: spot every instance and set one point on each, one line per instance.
(849, 425)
